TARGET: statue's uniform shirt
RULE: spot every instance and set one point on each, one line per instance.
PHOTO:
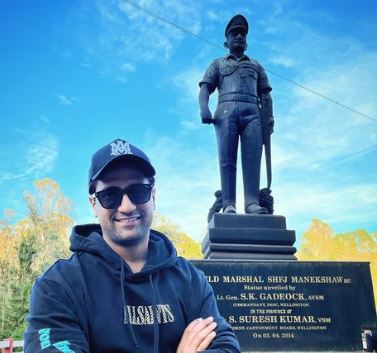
(237, 77)
(239, 82)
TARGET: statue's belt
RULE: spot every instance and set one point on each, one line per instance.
(238, 97)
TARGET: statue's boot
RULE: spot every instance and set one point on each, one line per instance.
(230, 209)
(255, 209)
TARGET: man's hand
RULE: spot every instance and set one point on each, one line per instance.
(206, 116)
(197, 336)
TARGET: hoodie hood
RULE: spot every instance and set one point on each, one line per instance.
(88, 238)
(161, 255)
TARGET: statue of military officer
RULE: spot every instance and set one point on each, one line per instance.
(244, 92)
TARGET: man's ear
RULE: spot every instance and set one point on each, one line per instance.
(154, 197)
(226, 45)
(92, 202)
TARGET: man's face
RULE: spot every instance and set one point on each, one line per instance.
(129, 223)
(236, 40)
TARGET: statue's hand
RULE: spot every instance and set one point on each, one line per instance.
(271, 123)
(206, 116)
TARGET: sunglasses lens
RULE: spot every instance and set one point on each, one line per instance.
(139, 193)
(112, 197)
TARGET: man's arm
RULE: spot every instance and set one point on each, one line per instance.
(197, 336)
(53, 321)
(211, 334)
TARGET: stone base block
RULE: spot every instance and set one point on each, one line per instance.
(292, 306)
(239, 236)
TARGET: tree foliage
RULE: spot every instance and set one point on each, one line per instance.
(186, 247)
(320, 243)
(29, 247)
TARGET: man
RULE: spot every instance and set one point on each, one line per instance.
(243, 89)
(124, 289)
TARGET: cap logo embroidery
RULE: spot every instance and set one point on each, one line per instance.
(119, 148)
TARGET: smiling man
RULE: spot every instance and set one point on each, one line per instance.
(124, 289)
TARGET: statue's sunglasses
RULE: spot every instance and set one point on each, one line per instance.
(112, 197)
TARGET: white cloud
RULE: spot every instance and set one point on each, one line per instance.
(35, 159)
(65, 100)
(11, 176)
(190, 124)
(303, 201)
(127, 31)
(316, 140)
(214, 16)
(128, 67)
(283, 61)
(355, 155)
(187, 82)
(186, 181)
(310, 129)
(41, 155)
(318, 131)
(45, 119)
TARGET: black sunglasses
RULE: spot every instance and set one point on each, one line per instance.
(112, 197)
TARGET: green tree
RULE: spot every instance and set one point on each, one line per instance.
(30, 246)
(319, 243)
(48, 221)
(186, 247)
(8, 266)
(18, 304)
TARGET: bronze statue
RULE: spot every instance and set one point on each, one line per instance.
(244, 112)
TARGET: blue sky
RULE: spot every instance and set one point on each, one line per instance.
(77, 74)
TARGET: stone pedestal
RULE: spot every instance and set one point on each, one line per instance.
(291, 306)
(245, 236)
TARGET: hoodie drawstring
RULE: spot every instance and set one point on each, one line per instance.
(126, 322)
(156, 334)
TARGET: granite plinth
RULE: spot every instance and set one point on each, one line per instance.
(221, 220)
(249, 251)
(250, 236)
(246, 236)
(254, 248)
(249, 256)
(292, 306)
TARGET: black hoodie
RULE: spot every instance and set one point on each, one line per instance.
(94, 303)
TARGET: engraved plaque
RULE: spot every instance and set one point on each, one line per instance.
(294, 306)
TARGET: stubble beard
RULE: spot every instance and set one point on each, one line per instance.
(122, 239)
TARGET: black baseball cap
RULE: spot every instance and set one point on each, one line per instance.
(119, 149)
